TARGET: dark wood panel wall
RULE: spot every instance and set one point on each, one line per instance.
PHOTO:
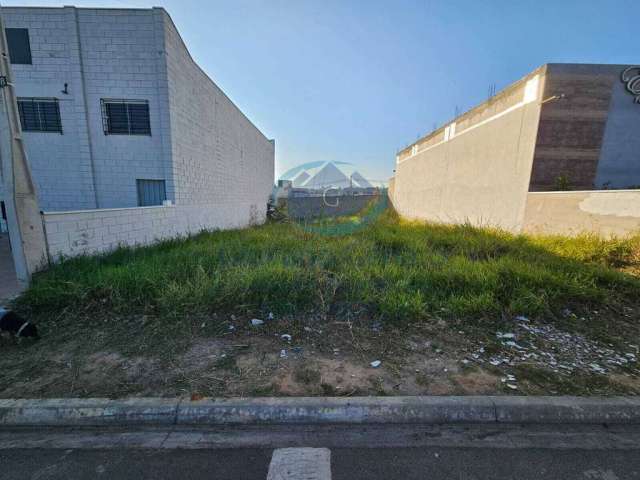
(573, 118)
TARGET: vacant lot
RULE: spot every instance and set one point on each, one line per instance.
(446, 309)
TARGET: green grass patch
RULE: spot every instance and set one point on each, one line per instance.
(391, 269)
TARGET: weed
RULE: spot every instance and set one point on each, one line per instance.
(393, 270)
(306, 376)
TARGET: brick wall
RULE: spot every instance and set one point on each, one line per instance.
(61, 164)
(589, 130)
(219, 156)
(122, 58)
(96, 231)
(218, 167)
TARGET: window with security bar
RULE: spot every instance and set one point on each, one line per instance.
(125, 117)
(151, 192)
(39, 114)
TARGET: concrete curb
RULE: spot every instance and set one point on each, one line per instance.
(320, 410)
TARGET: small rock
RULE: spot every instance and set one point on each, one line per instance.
(376, 363)
(256, 322)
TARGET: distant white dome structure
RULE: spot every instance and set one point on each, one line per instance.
(324, 175)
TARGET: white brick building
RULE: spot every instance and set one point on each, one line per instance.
(139, 122)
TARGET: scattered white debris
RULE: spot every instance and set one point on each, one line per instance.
(232, 327)
(308, 329)
(437, 455)
(545, 346)
(283, 354)
(464, 362)
(286, 336)
(376, 363)
(256, 322)
(522, 318)
(270, 316)
(512, 387)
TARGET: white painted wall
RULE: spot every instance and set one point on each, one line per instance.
(219, 156)
(218, 167)
(60, 164)
(201, 144)
(122, 58)
(96, 231)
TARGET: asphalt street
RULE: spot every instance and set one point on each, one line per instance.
(347, 464)
(384, 452)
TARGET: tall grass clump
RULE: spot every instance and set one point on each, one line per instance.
(391, 269)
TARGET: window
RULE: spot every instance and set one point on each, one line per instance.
(151, 192)
(19, 46)
(125, 117)
(39, 114)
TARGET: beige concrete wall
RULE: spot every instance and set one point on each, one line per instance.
(479, 170)
(606, 212)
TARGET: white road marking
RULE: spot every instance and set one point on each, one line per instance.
(300, 464)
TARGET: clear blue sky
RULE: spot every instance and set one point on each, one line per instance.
(357, 80)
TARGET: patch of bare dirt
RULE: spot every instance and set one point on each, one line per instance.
(304, 359)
